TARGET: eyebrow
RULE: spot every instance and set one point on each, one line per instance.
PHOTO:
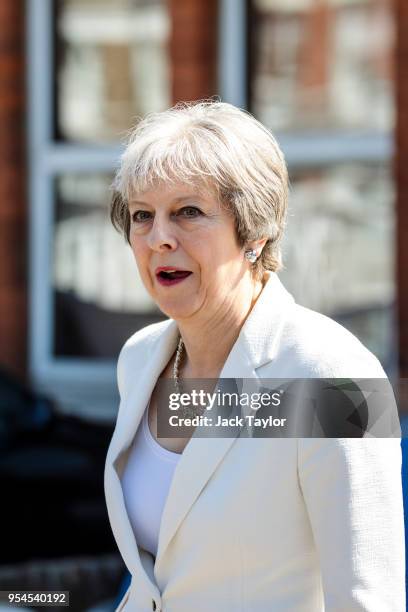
(174, 201)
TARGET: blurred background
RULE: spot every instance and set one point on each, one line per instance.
(328, 77)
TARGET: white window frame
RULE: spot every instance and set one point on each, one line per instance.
(79, 385)
(312, 148)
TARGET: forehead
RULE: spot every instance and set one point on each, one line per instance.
(169, 193)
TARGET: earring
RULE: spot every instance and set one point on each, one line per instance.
(251, 255)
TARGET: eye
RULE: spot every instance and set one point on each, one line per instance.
(140, 215)
(190, 212)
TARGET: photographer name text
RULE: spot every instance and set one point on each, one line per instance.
(236, 421)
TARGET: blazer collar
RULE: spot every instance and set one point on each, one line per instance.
(258, 341)
(256, 345)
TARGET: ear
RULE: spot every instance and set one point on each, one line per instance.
(258, 245)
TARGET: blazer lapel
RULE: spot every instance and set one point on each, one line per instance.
(131, 409)
(256, 345)
(133, 405)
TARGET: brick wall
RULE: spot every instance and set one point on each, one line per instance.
(193, 48)
(401, 172)
(193, 52)
(13, 207)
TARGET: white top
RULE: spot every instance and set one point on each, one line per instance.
(145, 483)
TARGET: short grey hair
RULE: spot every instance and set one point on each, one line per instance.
(218, 146)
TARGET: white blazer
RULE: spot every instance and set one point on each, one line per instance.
(273, 524)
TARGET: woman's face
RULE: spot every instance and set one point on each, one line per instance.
(180, 228)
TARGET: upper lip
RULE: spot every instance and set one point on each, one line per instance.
(169, 269)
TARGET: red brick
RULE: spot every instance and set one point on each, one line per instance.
(13, 201)
(193, 49)
(401, 165)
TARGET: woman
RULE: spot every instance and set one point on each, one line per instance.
(222, 524)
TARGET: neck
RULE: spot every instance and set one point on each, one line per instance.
(208, 342)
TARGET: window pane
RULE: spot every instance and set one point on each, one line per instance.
(339, 250)
(111, 66)
(324, 64)
(99, 298)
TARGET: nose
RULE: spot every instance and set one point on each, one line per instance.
(161, 236)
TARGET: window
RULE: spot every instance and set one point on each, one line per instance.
(321, 77)
(99, 299)
(111, 66)
(94, 67)
(322, 64)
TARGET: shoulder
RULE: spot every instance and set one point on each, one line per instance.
(323, 348)
(313, 345)
(136, 348)
(145, 337)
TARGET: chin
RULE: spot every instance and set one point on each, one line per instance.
(176, 311)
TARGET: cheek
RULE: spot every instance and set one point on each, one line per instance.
(140, 256)
(220, 262)
(206, 254)
(224, 249)
(137, 247)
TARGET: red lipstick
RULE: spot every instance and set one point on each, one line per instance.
(170, 275)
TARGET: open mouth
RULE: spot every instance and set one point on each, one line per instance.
(173, 275)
